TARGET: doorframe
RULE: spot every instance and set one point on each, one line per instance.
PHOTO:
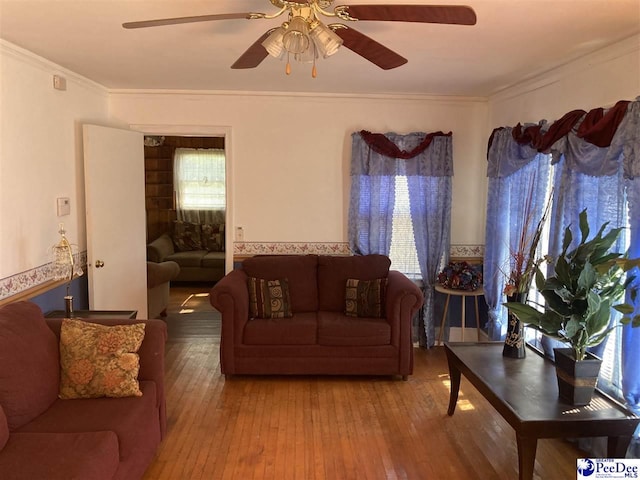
(205, 131)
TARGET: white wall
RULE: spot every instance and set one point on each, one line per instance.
(40, 156)
(596, 80)
(291, 153)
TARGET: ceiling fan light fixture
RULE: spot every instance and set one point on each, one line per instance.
(273, 43)
(308, 56)
(325, 39)
(296, 38)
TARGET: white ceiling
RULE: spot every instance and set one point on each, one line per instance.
(512, 41)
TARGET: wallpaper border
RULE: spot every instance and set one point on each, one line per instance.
(329, 248)
(23, 281)
(35, 277)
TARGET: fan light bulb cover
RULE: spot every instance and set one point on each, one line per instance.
(308, 56)
(327, 41)
(273, 43)
(296, 38)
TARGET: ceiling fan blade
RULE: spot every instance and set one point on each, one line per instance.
(197, 18)
(451, 14)
(254, 55)
(368, 48)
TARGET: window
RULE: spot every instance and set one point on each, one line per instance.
(199, 176)
(403, 254)
(610, 379)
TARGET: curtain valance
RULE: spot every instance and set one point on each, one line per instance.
(505, 155)
(380, 143)
(425, 154)
(591, 142)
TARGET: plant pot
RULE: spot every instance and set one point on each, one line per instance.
(514, 343)
(576, 379)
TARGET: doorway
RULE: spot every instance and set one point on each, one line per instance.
(166, 185)
(210, 132)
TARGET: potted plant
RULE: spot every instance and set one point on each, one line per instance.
(523, 265)
(587, 282)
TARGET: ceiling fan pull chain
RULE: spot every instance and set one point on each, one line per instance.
(287, 69)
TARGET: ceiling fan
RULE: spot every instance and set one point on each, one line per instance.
(305, 37)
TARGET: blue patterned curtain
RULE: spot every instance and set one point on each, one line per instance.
(427, 162)
(513, 170)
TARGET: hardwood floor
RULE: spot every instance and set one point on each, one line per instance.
(339, 428)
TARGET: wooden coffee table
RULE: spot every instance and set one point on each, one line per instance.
(524, 391)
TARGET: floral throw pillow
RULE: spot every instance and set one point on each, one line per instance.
(187, 236)
(98, 360)
(269, 298)
(365, 298)
(213, 237)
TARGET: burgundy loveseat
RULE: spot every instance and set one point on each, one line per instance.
(45, 437)
(319, 338)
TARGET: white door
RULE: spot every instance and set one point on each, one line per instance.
(116, 223)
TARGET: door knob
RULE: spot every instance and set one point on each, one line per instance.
(99, 264)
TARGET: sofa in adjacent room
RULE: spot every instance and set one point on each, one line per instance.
(159, 276)
(316, 314)
(197, 249)
(51, 426)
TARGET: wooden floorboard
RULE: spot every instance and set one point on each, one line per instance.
(313, 427)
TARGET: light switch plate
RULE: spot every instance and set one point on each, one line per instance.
(64, 206)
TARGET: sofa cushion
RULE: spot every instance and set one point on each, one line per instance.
(188, 259)
(336, 328)
(269, 298)
(301, 329)
(213, 237)
(365, 298)
(187, 236)
(4, 429)
(60, 456)
(213, 260)
(334, 271)
(98, 360)
(29, 363)
(133, 419)
(300, 270)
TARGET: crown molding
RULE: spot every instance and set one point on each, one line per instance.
(551, 76)
(448, 99)
(47, 66)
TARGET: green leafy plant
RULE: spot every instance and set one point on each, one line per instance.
(586, 284)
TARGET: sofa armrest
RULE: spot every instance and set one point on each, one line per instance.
(161, 272)
(404, 298)
(230, 296)
(151, 354)
(160, 248)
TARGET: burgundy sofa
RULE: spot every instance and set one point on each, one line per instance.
(44, 437)
(319, 338)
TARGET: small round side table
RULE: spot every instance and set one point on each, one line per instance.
(459, 293)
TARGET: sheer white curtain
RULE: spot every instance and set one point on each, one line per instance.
(199, 180)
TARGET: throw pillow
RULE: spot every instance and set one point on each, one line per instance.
(213, 237)
(365, 298)
(187, 236)
(98, 360)
(269, 298)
